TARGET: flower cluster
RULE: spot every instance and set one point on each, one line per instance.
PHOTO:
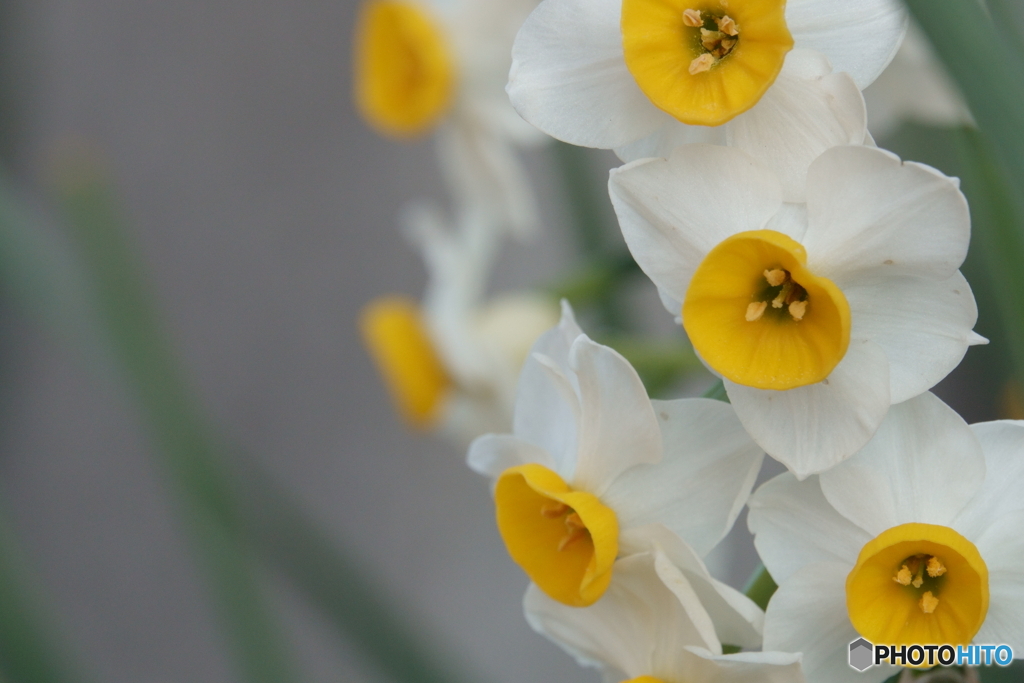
(817, 276)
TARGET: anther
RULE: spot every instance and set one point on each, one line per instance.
(727, 26)
(903, 576)
(797, 309)
(692, 18)
(711, 40)
(928, 602)
(783, 296)
(576, 530)
(755, 310)
(775, 277)
(553, 510)
(935, 567)
(574, 522)
(702, 64)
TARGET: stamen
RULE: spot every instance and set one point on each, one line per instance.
(775, 277)
(928, 602)
(903, 576)
(553, 510)
(918, 574)
(576, 530)
(935, 567)
(692, 18)
(780, 300)
(797, 309)
(756, 310)
(711, 39)
(702, 64)
(727, 26)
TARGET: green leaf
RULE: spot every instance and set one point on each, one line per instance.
(190, 455)
(761, 587)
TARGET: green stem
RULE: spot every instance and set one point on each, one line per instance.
(30, 652)
(717, 392)
(178, 429)
(339, 587)
(761, 587)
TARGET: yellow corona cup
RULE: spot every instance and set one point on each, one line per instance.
(404, 72)
(566, 541)
(918, 584)
(705, 61)
(758, 316)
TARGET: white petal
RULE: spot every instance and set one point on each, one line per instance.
(808, 614)
(703, 480)
(1002, 548)
(492, 454)
(859, 38)
(547, 410)
(794, 526)
(615, 631)
(1002, 443)
(673, 212)
(638, 615)
(737, 620)
(672, 134)
(812, 428)
(922, 465)
(569, 76)
(923, 326)
(869, 213)
(484, 171)
(618, 428)
(695, 664)
(806, 111)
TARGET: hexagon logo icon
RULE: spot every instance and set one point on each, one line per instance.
(861, 655)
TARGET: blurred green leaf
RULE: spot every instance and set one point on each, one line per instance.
(761, 587)
(661, 363)
(181, 435)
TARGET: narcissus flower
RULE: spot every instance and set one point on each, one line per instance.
(644, 76)
(592, 459)
(817, 316)
(422, 66)
(914, 540)
(451, 363)
(653, 626)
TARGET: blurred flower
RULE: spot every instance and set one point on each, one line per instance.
(644, 76)
(592, 461)
(451, 363)
(817, 316)
(915, 88)
(652, 626)
(916, 539)
(423, 66)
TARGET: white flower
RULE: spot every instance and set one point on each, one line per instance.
(818, 316)
(592, 461)
(916, 539)
(451, 364)
(617, 74)
(652, 626)
(915, 87)
(437, 65)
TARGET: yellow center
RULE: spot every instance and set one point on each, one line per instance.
(404, 75)
(396, 337)
(565, 540)
(918, 584)
(758, 317)
(705, 61)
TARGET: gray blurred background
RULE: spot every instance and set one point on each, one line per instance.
(266, 213)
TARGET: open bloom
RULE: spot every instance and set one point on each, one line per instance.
(652, 626)
(451, 363)
(423, 66)
(644, 76)
(592, 460)
(817, 316)
(915, 540)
